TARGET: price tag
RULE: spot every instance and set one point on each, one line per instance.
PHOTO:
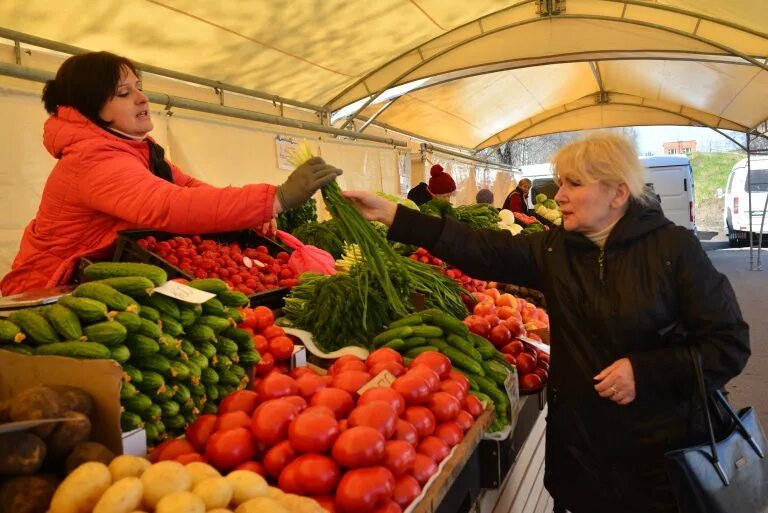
(383, 379)
(512, 386)
(185, 293)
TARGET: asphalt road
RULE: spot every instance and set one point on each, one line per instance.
(751, 386)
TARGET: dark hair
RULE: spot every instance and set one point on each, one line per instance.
(86, 82)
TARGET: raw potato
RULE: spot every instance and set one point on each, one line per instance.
(298, 504)
(122, 497)
(162, 479)
(74, 399)
(220, 510)
(38, 403)
(128, 466)
(5, 411)
(82, 489)
(216, 492)
(20, 453)
(88, 451)
(180, 502)
(68, 434)
(28, 494)
(261, 505)
(200, 471)
(246, 485)
(274, 491)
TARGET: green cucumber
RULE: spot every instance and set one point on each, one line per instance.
(212, 391)
(170, 408)
(483, 346)
(171, 326)
(412, 342)
(179, 371)
(199, 360)
(188, 317)
(493, 373)
(150, 329)
(128, 390)
(391, 334)
(241, 337)
(138, 403)
(209, 376)
(35, 326)
(109, 333)
(141, 346)
(408, 320)
(214, 307)
(152, 382)
(187, 347)
(217, 324)
(10, 332)
(458, 358)
(447, 322)
(133, 286)
(249, 357)
(120, 354)
(103, 270)
(150, 313)
(227, 377)
(176, 422)
(182, 394)
(210, 408)
(130, 421)
(88, 310)
(221, 362)
(131, 321)
(207, 349)
(427, 331)
(396, 344)
(197, 389)
(64, 321)
(90, 350)
(169, 346)
(156, 362)
(235, 314)
(232, 298)
(238, 371)
(226, 346)
(164, 304)
(415, 351)
(212, 285)
(200, 333)
(152, 413)
(132, 375)
(112, 298)
(464, 346)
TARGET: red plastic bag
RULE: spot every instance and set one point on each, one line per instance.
(306, 258)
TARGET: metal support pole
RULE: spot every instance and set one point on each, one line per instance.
(35, 75)
(749, 200)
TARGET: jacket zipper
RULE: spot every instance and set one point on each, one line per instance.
(600, 262)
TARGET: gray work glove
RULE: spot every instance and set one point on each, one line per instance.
(305, 181)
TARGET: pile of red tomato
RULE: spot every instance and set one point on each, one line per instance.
(314, 435)
(500, 318)
(471, 284)
(274, 346)
(249, 270)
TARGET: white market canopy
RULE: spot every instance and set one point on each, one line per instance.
(469, 74)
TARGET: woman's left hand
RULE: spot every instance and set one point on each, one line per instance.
(617, 382)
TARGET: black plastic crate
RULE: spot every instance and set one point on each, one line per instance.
(128, 250)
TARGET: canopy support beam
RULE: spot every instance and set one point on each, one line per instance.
(37, 75)
(20, 37)
(425, 147)
(593, 65)
(451, 48)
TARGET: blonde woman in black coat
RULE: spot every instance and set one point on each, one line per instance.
(620, 279)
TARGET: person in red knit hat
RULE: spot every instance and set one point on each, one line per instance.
(441, 185)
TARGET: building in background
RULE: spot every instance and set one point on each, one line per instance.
(679, 147)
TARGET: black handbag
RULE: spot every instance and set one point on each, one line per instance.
(729, 475)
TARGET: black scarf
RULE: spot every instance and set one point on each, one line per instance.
(157, 163)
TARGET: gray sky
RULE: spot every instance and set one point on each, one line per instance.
(651, 139)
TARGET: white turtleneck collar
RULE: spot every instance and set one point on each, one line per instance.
(128, 136)
(601, 236)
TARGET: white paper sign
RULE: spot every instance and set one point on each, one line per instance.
(383, 379)
(285, 147)
(534, 343)
(185, 293)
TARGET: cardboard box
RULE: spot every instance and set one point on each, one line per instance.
(100, 378)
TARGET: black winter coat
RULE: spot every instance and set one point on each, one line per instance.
(603, 306)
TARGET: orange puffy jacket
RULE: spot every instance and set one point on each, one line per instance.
(102, 184)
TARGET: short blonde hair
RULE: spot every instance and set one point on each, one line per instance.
(602, 157)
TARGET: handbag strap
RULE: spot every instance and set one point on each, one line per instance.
(737, 420)
(696, 358)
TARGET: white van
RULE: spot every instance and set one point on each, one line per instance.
(736, 207)
(671, 178)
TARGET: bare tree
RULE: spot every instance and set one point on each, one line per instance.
(537, 150)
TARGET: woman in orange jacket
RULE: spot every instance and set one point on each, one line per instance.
(111, 176)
